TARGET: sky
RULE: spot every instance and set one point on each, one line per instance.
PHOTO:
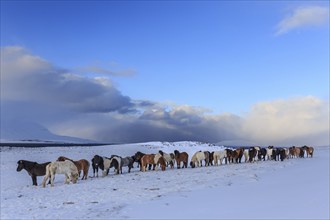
(168, 70)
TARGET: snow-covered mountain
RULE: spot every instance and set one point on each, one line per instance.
(16, 130)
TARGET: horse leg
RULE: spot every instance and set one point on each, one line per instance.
(178, 164)
(52, 177)
(44, 181)
(84, 175)
(45, 178)
(67, 179)
(34, 180)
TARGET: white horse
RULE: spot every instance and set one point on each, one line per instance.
(287, 152)
(246, 155)
(66, 167)
(169, 158)
(197, 158)
(114, 161)
(219, 155)
(269, 153)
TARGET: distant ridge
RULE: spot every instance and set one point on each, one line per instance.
(24, 131)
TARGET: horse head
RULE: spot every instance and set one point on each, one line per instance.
(192, 164)
(20, 165)
(74, 177)
(98, 161)
(138, 155)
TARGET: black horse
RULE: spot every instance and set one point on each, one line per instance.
(262, 154)
(97, 162)
(34, 169)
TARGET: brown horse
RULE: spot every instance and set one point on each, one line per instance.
(297, 152)
(309, 150)
(292, 151)
(181, 156)
(237, 154)
(80, 164)
(150, 159)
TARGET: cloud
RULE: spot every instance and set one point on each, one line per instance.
(71, 104)
(29, 78)
(292, 121)
(308, 16)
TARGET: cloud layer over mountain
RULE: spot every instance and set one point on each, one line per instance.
(68, 103)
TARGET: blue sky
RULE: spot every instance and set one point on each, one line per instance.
(224, 56)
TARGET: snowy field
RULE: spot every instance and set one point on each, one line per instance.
(292, 189)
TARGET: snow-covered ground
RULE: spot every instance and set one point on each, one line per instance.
(292, 189)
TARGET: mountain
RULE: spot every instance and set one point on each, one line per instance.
(16, 130)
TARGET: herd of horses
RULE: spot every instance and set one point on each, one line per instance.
(72, 169)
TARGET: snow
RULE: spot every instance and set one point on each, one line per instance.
(292, 189)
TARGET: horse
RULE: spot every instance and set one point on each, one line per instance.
(181, 156)
(238, 155)
(282, 152)
(116, 162)
(229, 154)
(253, 152)
(197, 159)
(276, 154)
(269, 152)
(207, 158)
(82, 165)
(169, 158)
(309, 150)
(219, 155)
(297, 152)
(34, 169)
(127, 162)
(211, 158)
(262, 154)
(246, 155)
(66, 167)
(152, 159)
(137, 158)
(292, 152)
(287, 153)
(97, 162)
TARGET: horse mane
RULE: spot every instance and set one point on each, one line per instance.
(27, 164)
(161, 152)
(176, 152)
(62, 158)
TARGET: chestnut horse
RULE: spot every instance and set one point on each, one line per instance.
(181, 156)
(309, 150)
(150, 159)
(82, 165)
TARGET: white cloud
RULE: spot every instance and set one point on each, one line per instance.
(291, 121)
(307, 16)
